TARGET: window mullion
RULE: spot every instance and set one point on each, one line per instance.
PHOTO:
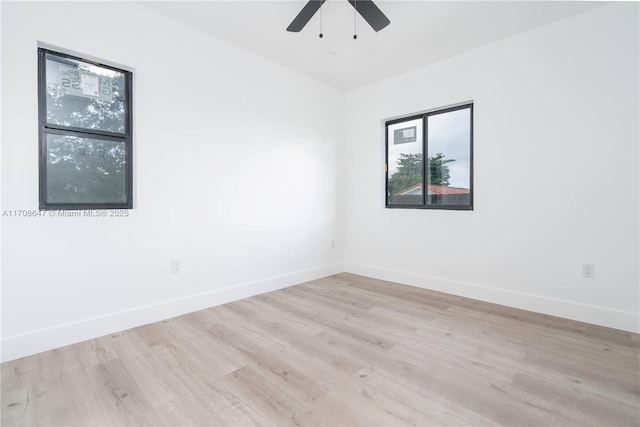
(425, 161)
(66, 130)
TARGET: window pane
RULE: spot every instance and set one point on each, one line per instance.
(85, 170)
(449, 158)
(406, 164)
(84, 95)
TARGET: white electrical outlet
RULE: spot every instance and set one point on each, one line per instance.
(175, 266)
(588, 270)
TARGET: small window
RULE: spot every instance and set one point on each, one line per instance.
(85, 133)
(441, 179)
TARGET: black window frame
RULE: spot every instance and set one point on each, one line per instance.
(45, 129)
(425, 147)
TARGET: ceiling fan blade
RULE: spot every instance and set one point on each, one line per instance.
(370, 12)
(305, 15)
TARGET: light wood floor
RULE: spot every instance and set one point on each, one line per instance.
(345, 350)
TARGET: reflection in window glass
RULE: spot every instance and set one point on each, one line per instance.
(85, 170)
(449, 158)
(405, 163)
(430, 160)
(85, 135)
(84, 95)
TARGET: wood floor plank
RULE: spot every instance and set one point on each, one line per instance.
(345, 350)
(562, 402)
(437, 407)
(268, 395)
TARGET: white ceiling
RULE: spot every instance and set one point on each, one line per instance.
(420, 33)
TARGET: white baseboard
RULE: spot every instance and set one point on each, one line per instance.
(16, 346)
(612, 318)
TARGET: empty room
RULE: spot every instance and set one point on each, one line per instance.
(320, 213)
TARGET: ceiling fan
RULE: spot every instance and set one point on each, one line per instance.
(366, 8)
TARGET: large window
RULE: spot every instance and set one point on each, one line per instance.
(429, 160)
(85, 133)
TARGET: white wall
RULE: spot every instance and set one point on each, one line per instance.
(556, 173)
(235, 176)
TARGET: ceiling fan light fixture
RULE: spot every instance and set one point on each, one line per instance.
(366, 8)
